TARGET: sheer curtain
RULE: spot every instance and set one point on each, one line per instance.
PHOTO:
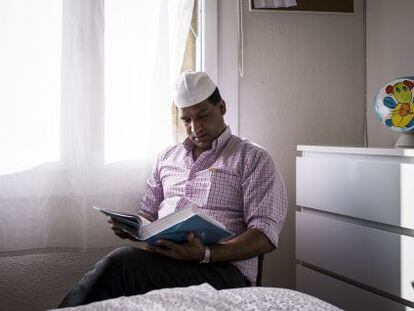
(84, 107)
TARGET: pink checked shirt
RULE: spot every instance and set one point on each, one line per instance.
(235, 182)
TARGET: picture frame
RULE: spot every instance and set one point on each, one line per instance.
(311, 6)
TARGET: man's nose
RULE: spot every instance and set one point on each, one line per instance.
(196, 126)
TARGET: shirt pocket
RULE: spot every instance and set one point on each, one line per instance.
(225, 189)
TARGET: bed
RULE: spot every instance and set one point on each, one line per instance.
(205, 297)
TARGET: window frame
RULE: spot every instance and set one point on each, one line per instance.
(225, 74)
(209, 46)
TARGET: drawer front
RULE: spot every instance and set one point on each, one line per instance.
(373, 190)
(380, 259)
(341, 294)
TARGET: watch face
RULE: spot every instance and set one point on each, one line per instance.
(394, 105)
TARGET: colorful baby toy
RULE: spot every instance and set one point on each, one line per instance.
(394, 105)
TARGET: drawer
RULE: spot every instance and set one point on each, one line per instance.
(342, 294)
(377, 258)
(373, 190)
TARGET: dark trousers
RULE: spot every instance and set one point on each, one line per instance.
(130, 271)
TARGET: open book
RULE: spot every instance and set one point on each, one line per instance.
(174, 227)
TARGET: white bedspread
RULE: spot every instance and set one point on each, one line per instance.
(205, 297)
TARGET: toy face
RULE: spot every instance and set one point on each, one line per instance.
(402, 93)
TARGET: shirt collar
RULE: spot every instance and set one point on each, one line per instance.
(217, 143)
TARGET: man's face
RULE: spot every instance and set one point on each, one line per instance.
(203, 122)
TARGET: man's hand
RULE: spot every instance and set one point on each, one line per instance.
(121, 230)
(192, 250)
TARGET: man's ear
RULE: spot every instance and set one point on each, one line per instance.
(222, 106)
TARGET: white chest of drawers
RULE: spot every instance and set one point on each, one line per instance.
(355, 226)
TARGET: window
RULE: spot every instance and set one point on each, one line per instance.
(30, 56)
(85, 93)
(140, 63)
(43, 123)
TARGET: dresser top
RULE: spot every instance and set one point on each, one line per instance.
(397, 152)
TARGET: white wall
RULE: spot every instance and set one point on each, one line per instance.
(390, 46)
(303, 83)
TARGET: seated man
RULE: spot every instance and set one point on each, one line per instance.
(228, 177)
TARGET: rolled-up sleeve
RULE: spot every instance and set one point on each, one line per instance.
(264, 195)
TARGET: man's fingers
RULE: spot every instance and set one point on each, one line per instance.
(190, 236)
(193, 239)
(119, 225)
(123, 231)
(120, 233)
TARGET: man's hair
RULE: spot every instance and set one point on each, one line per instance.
(215, 97)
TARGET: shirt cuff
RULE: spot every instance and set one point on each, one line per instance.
(268, 229)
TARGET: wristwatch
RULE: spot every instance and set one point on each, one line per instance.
(207, 254)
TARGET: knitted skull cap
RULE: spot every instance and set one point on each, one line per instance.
(191, 88)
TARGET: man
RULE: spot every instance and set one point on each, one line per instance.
(230, 178)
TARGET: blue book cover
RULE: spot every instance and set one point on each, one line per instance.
(174, 227)
(207, 231)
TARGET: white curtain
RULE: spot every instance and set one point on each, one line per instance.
(261, 4)
(84, 107)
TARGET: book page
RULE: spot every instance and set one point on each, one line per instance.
(143, 220)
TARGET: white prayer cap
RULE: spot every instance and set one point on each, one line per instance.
(191, 88)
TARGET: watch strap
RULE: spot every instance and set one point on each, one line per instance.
(207, 254)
